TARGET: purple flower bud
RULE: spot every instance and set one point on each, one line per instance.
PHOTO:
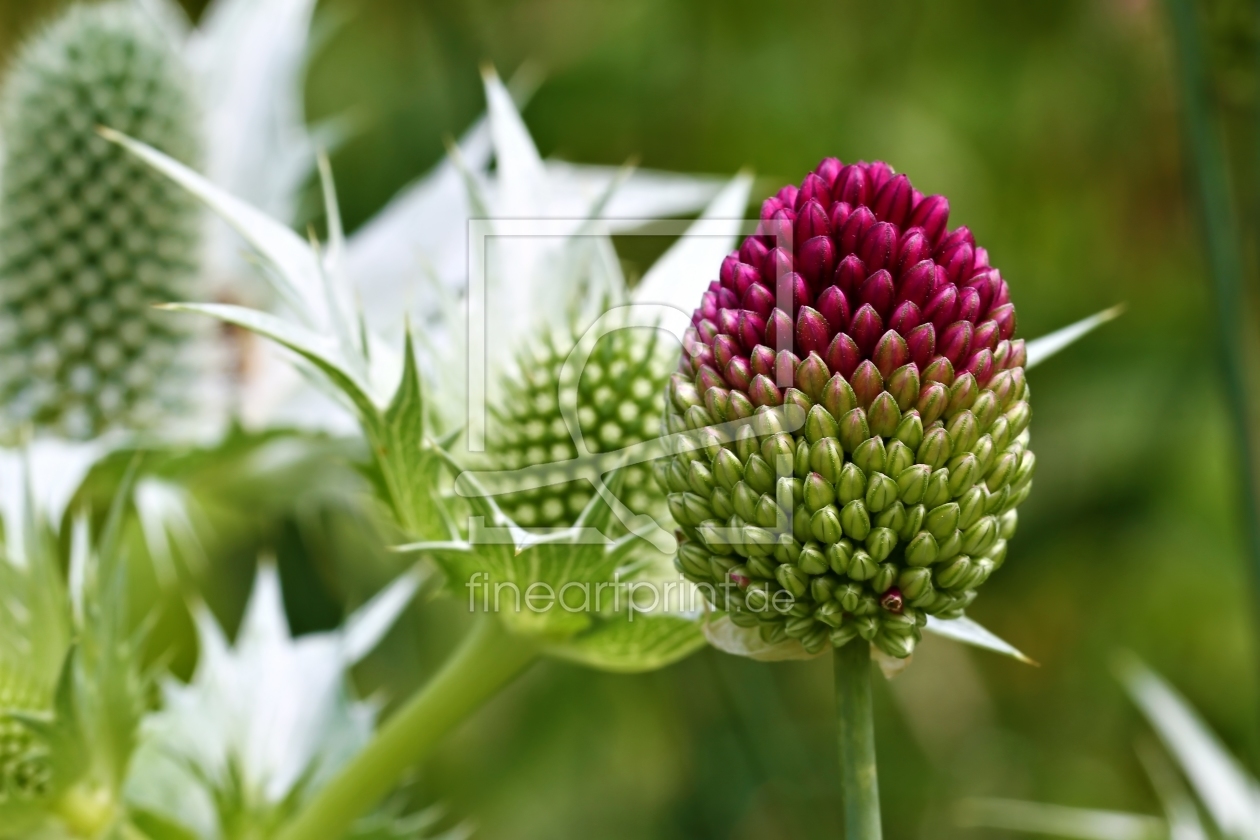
(763, 391)
(986, 336)
(878, 291)
(957, 236)
(813, 332)
(878, 173)
(1019, 355)
(817, 261)
(839, 214)
(843, 355)
(728, 322)
(726, 276)
(867, 383)
(892, 202)
(762, 358)
(1004, 315)
(701, 355)
(787, 195)
(955, 342)
(708, 306)
(708, 378)
(866, 328)
(725, 348)
(958, 261)
(893, 601)
(796, 290)
(932, 402)
(905, 318)
(940, 370)
(776, 263)
(813, 188)
(752, 327)
(769, 207)
(855, 227)
(850, 274)
(890, 353)
(834, 306)
(918, 282)
(812, 376)
(706, 330)
(811, 221)
(738, 373)
(752, 252)
(743, 276)
(838, 397)
(912, 249)
(829, 169)
(942, 307)
(1001, 297)
(758, 299)
(986, 283)
(717, 401)
(982, 257)
(1001, 353)
(981, 366)
(968, 304)
(878, 248)
(922, 344)
(931, 214)
(727, 299)
(850, 186)
(779, 328)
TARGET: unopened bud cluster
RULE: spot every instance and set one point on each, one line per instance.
(25, 774)
(90, 238)
(850, 417)
(618, 402)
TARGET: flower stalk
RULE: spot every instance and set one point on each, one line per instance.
(488, 659)
(859, 780)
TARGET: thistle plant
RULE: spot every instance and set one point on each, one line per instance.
(89, 240)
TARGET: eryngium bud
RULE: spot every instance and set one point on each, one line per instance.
(910, 454)
(90, 237)
(618, 407)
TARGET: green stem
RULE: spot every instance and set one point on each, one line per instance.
(859, 780)
(488, 659)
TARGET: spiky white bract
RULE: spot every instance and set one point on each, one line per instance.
(264, 722)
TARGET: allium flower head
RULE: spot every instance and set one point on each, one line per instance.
(89, 238)
(870, 353)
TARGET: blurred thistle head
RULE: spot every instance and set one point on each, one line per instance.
(90, 238)
(864, 358)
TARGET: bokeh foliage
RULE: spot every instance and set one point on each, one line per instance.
(1052, 128)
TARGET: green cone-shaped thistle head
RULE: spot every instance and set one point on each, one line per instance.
(618, 406)
(90, 238)
(859, 400)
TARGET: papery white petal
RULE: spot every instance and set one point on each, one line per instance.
(970, 633)
(646, 194)
(56, 469)
(1059, 821)
(1040, 349)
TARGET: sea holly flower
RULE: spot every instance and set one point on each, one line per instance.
(850, 418)
(264, 722)
(89, 240)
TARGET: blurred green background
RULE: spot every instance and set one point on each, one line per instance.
(1052, 127)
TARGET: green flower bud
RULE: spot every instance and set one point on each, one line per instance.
(985, 453)
(997, 553)
(871, 455)
(849, 597)
(720, 566)
(761, 567)
(823, 588)
(820, 424)
(904, 386)
(794, 398)
(717, 402)
(678, 477)
(963, 473)
(892, 516)
(746, 443)
(827, 458)
(689, 509)
(812, 376)
(948, 548)
(1023, 473)
(921, 551)
(694, 560)
(885, 577)
(773, 633)
(1017, 496)
(866, 627)
(982, 568)
(963, 431)
(712, 535)
(862, 566)
(933, 400)
(838, 397)
(830, 613)
(800, 464)
(673, 421)
(697, 417)
(937, 492)
(942, 520)
(1003, 471)
(839, 557)
(896, 646)
(986, 408)
(953, 574)
(841, 636)
(940, 370)
(912, 483)
(915, 514)
(745, 500)
(818, 492)
(880, 543)
(757, 598)
(867, 604)
(812, 561)
(1000, 431)
(767, 422)
(740, 615)
(723, 504)
(682, 393)
(914, 583)
(779, 449)
(971, 506)
(855, 520)
(700, 479)
(660, 473)
(768, 512)
(995, 503)
(792, 579)
(910, 430)
(935, 448)
(1007, 523)
(853, 429)
(758, 541)
(739, 406)
(728, 470)
(900, 457)
(789, 492)
(962, 394)
(884, 415)
(825, 525)
(980, 537)
(852, 483)
(1018, 416)
(897, 623)
(800, 523)
(759, 475)
(881, 491)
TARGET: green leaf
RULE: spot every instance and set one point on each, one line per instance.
(1058, 821)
